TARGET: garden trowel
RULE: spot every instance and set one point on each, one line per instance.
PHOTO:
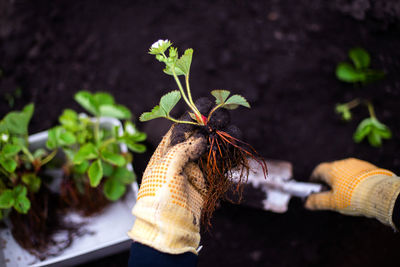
(274, 191)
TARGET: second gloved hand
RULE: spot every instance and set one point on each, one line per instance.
(358, 188)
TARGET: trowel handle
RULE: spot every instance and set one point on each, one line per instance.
(301, 189)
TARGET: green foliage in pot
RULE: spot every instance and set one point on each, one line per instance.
(19, 167)
(94, 152)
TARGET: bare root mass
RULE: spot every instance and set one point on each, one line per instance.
(87, 201)
(225, 163)
(35, 230)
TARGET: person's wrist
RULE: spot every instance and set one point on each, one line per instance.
(167, 228)
(376, 196)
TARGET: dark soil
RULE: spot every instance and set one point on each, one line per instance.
(280, 55)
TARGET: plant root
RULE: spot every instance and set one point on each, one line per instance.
(36, 230)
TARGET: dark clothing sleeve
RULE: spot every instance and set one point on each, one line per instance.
(141, 256)
(396, 213)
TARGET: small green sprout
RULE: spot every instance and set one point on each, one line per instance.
(359, 71)
(94, 152)
(180, 66)
(373, 129)
(345, 109)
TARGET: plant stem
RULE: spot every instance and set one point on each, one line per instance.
(190, 95)
(49, 157)
(178, 82)
(179, 121)
(371, 110)
(108, 142)
(28, 154)
(214, 109)
(353, 103)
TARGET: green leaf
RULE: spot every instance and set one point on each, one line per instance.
(58, 136)
(169, 100)
(8, 164)
(155, 113)
(167, 103)
(69, 119)
(115, 111)
(374, 139)
(86, 152)
(17, 121)
(344, 111)
(82, 167)
(347, 73)
(112, 158)
(234, 101)
(374, 130)
(10, 150)
(138, 148)
(39, 153)
(19, 190)
(95, 173)
(32, 181)
(362, 130)
(67, 138)
(113, 189)
(108, 169)
(52, 137)
(185, 60)
(360, 57)
(87, 101)
(123, 175)
(102, 98)
(220, 96)
(6, 199)
(22, 204)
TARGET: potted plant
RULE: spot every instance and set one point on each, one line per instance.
(92, 156)
(95, 169)
(24, 195)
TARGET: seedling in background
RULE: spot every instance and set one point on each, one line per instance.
(373, 129)
(19, 167)
(359, 71)
(225, 151)
(94, 152)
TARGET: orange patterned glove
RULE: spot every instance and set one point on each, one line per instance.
(358, 188)
(170, 199)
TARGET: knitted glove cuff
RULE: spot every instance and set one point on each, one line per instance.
(166, 227)
(376, 197)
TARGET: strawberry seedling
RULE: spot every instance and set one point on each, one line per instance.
(95, 169)
(225, 150)
(24, 196)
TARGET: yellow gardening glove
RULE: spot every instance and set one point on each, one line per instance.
(170, 199)
(358, 188)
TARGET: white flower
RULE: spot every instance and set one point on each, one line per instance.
(159, 43)
(4, 137)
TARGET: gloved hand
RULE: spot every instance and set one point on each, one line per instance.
(358, 188)
(169, 202)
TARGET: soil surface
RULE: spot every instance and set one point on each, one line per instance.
(279, 54)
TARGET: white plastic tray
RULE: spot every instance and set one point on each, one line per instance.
(109, 228)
